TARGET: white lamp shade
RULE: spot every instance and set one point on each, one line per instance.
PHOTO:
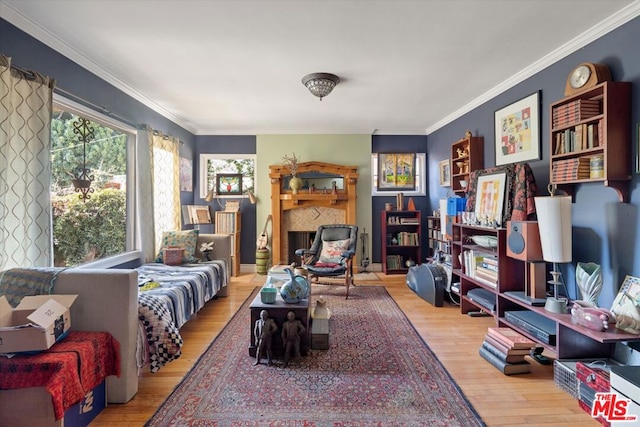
(554, 222)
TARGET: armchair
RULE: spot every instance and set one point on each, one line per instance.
(331, 253)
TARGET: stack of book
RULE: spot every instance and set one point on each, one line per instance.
(571, 169)
(575, 111)
(506, 349)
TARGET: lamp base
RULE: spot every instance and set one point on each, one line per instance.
(556, 305)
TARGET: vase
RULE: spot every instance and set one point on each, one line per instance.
(589, 280)
(293, 290)
(295, 184)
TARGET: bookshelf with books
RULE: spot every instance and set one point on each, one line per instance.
(590, 138)
(485, 266)
(436, 240)
(228, 222)
(401, 237)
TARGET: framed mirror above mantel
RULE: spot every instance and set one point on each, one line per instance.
(327, 196)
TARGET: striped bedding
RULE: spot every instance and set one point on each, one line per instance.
(168, 297)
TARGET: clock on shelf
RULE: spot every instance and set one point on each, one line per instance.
(586, 75)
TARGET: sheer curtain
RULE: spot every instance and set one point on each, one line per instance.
(158, 186)
(25, 168)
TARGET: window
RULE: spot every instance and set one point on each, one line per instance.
(213, 164)
(100, 226)
(421, 185)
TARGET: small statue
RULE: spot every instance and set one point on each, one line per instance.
(292, 330)
(263, 331)
(468, 134)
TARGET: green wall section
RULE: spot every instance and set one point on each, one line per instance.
(338, 149)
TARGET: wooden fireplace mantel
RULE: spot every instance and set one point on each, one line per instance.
(282, 199)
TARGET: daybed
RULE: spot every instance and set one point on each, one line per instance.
(108, 301)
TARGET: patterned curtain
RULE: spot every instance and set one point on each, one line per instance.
(25, 168)
(164, 165)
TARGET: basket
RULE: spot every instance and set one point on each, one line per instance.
(564, 376)
(172, 255)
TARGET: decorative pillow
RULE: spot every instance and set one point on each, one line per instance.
(332, 250)
(184, 238)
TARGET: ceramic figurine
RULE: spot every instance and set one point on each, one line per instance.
(263, 331)
(292, 330)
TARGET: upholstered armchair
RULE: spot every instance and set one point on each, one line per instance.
(331, 253)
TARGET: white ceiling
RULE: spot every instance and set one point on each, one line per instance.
(234, 67)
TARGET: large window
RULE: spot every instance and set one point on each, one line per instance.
(99, 226)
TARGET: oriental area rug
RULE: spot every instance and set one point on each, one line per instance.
(377, 371)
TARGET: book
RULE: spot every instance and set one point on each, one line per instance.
(510, 337)
(505, 357)
(505, 348)
(504, 367)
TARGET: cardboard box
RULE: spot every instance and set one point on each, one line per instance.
(32, 406)
(35, 324)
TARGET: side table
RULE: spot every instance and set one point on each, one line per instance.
(278, 312)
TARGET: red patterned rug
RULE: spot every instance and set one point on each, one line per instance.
(377, 372)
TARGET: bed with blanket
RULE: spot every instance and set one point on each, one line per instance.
(169, 296)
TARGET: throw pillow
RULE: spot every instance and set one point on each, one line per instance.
(332, 250)
(183, 238)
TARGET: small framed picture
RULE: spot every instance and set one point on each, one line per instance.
(445, 173)
(490, 196)
(229, 184)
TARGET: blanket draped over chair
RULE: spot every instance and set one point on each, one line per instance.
(17, 283)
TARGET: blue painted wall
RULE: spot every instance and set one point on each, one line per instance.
(233, 144)
(395, 144)
(605, 231)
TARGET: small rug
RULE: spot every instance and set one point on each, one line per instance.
(377, 372)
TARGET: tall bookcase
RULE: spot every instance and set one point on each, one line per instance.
(400, 240)
(590, 138)
(229, 223)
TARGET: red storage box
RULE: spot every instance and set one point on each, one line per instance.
(591, 380)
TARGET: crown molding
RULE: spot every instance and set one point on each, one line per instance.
(611, 23)
(34, 30)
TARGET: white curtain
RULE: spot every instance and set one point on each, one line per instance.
(25, 168)
(158, 188)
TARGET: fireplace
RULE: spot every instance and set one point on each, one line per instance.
(311, 207)
(298, 240)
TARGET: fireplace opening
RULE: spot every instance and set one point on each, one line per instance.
(298, 240)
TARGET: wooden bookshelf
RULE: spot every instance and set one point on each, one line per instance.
(230, 223)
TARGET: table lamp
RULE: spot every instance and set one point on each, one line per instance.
(554, 221)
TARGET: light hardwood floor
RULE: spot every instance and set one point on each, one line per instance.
(529, 399)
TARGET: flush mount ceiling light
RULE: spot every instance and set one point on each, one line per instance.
(320, 84)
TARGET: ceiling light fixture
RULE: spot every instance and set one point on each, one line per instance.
(320, 84)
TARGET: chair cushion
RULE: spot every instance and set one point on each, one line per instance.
(186, 239)
(332, 250)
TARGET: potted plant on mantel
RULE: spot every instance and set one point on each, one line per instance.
(291, 163)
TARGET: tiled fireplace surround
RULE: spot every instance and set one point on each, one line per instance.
(305, 220)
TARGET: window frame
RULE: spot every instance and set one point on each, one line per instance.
(61, 102)
(202, 172)
(421, 178)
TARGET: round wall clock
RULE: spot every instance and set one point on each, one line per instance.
(586, 75)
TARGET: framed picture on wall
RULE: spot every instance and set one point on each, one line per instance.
(396, 171)
(229, 184)
(490, 195)
(517, 131)
(445, 172)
